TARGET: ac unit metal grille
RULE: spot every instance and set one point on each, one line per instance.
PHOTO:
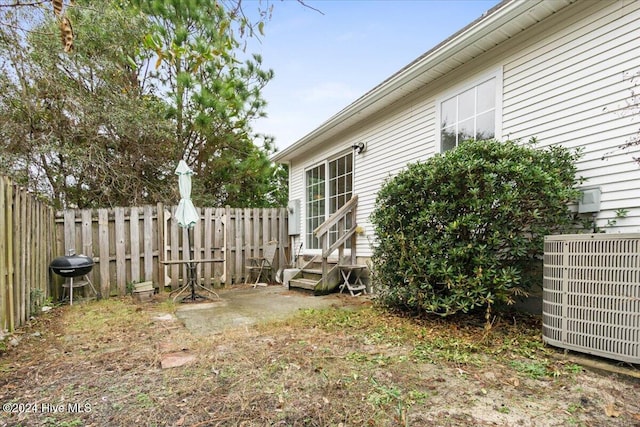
(591, 294)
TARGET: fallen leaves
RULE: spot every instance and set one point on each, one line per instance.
(611, 411)
(294, 373)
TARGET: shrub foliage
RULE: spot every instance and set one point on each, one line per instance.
(462, 230)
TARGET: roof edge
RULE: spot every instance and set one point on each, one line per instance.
(488, 21)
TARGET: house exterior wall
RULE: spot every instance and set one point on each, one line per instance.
(561, 81)
(565, 88)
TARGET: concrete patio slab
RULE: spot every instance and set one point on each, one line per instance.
(244, 305)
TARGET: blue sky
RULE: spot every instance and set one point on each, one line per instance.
(323, 62)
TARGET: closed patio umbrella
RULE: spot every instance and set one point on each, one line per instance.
(187, 216)
(186, 213)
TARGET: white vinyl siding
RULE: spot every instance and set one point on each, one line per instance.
(404, 134)
(565, 89)
(560, 81)
(296, 192)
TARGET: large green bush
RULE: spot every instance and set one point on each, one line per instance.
(464, 229)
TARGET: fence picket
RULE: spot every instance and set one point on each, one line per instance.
(87, 237)
(26, 289)
(219, 245)
(134, 229)
(24, 264)
(208, 245)
(25, 253)
(103, 248)
(247, 220)
(5, 256)
(121, 274)
(197, 245)
(238, 243)
(160, 243)
(228, 245)
(148, 242)
(14, 292)
(283, 237)
(175, 252)
(18, 266)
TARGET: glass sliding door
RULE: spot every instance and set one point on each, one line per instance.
(316, 206)
(328, 187)
(340, 188)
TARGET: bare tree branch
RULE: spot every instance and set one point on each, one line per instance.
(302, 2)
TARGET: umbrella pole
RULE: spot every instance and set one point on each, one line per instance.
(192, 265)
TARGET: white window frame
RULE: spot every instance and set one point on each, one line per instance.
(306, 201)
(327, 192)
(459, 89)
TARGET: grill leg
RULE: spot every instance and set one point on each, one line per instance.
(86, 277)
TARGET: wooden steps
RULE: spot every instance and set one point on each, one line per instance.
(322, 273)
(309, 284)
(307, 278)
(310, 278)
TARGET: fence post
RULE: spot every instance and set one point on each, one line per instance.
(227, 244)
(283, 238)
(161, 246)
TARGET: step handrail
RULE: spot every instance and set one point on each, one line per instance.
(322, 233)
(324, 228)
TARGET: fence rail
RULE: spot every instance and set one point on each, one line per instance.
(130, 244)
(27, 237)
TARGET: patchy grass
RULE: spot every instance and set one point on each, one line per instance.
(351, 365)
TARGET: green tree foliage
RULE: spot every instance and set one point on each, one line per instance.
(212, 99)
(465, 229)
(148, 83)
(80, 127)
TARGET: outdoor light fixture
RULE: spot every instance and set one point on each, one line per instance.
(358, 147)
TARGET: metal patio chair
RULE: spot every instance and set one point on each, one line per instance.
(263, 265)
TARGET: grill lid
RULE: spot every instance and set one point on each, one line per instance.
(72, 265)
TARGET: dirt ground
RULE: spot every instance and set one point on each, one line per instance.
(346, 363)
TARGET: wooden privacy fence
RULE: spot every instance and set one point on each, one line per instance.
(27, 238)
(131, 244)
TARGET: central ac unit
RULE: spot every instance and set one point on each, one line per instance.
(591, 294)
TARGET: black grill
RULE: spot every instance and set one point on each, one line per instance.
(71, 265)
